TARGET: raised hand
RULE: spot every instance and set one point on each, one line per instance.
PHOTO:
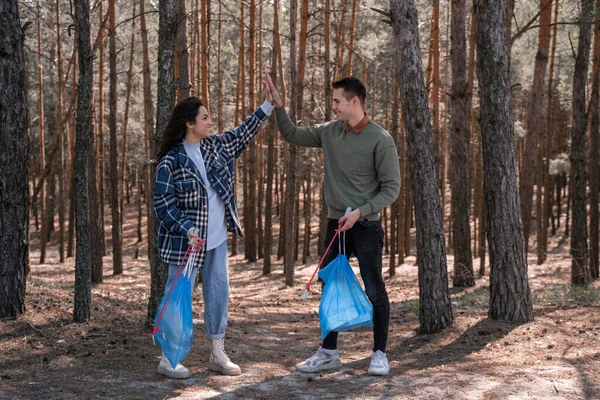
(272, 93)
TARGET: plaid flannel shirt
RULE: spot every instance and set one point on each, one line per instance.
(180, 198)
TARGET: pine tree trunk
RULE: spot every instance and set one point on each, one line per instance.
(114, 153)
(84, 130)
(510, 296)
(463, 259)
(101, 153)
(183, 84)
(252, 168)
(290, 185)
(205, 34)
(340, 44)
(435, 87)
(509, 9)
(594, 138)
(126, 118)
(14, 142)
(42, 119)
(435, 310)
(165, 101)
(149, 133)
(534, 121)
(94, 209)
(352, 34)
(550, 153)
(271, 127)
(327, 101)
(580, 271)
(59, 135)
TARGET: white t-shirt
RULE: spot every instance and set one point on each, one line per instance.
(217, 228)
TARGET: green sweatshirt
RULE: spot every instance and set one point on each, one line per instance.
(361, 169)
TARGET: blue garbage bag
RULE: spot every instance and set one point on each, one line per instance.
(173, 327)
(344, 304)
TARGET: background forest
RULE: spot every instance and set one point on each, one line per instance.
(219, 50)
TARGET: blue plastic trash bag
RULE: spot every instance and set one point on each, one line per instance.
(344, 304)
(173, 327)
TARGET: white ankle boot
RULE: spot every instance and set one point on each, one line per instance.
(179, 372)
(219, 361)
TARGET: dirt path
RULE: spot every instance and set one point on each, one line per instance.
(45, 355)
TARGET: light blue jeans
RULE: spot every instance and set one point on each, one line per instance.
(215, 289)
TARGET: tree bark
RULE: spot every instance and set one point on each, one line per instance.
(14, 142)
(101, 153)
(42, 118)
(463, 259)
(205, 34)
(594, 139)
(84, 130)
(534, 121)
(126, 118)
(290, 189)
(510, 296)
(149, 134)
(435, 310)
(580, 271)
(252, 167)
(117, 244)
(271, 127)
(59, 135)
(183, 84)
(167, 31)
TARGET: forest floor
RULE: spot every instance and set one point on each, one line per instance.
(44, 355)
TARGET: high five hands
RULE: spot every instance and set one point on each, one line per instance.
(272, 96)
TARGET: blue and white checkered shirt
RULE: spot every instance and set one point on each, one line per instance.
(180, 198)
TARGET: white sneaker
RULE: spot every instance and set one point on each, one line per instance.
(164, 368)
(320, 361)
(379, 364)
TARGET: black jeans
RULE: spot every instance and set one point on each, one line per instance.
(365, 241)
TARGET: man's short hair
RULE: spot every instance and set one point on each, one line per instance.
(352, 87)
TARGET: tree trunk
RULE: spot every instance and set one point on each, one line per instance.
(183, 84)
(510, 296)
(463, 259)
(149, 134)
(340, 44)
(83, 284)
(59, 135)
(550, 152)
(101, 125)
(509, 9)
(114, 153)
(167, 29)
(271, 127)
(14, 142)
(205, 34)
(435, 310)
(290, 185)
(534, 120)
(352, 34)
(435, 87)
(594, 166)
(250, 201)
(327, 101)
(42, 119)
(126, 118)
(580, 271)
(94, 209)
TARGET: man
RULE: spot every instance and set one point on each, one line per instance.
(361, 172)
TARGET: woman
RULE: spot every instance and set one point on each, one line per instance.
(194, 200)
